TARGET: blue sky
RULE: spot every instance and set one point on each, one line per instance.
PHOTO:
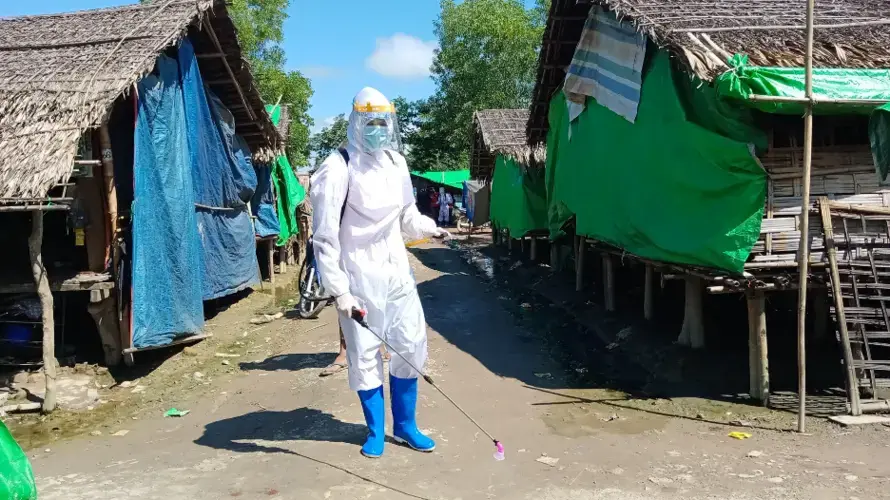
(341, 45)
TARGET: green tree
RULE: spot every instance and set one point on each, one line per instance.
(328, 139)
(487, 58)
(260, 32)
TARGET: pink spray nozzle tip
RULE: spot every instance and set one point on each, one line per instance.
(499, 446)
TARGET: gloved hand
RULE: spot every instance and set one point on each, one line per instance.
(346, 303)
(442, 233)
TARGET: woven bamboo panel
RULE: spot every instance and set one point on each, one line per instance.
(842, 173)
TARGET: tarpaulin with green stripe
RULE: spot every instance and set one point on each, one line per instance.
(679, 185)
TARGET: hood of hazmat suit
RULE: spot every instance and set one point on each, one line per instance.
(363, 252)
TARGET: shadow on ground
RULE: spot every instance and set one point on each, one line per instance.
(261, 431)
(291, 362)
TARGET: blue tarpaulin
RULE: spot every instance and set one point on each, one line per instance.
(167, 268)
(224, 181)
(263, 204)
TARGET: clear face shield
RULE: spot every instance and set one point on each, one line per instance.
(374, 128)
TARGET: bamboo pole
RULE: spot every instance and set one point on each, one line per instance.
(804, 252)
(41, 281)
(110, 191)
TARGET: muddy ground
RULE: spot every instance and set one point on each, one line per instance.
(576, 421)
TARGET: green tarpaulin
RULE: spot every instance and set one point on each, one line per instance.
(664, 187)
(518, 200)
(16, 477)
(288, 191)
(450, 178)
(828, 83)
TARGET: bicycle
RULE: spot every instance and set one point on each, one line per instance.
(312, 294)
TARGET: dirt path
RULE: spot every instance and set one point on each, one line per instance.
(280, 431)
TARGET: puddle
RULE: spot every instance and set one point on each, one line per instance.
(587, 417)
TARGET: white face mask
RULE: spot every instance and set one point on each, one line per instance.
(376, 137)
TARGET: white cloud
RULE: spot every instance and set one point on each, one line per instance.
(402, 56)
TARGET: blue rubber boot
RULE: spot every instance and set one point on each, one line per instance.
(375, 417)
(404, 406)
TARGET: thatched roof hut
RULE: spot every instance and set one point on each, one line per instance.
(703, 35)
(61, 73)
(501, 132)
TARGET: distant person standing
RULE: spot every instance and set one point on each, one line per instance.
(446, 202)
(434, 202)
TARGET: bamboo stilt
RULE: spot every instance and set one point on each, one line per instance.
(41, 280)
(609, 282)
(692, 333)
(648, 294)
(758, 358)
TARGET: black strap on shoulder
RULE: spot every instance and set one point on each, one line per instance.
(345, 155)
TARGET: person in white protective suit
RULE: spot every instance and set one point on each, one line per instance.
(446, 201)
(363, 202)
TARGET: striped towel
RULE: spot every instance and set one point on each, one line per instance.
(608, 65)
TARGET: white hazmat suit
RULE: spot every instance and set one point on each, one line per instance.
(363, 262)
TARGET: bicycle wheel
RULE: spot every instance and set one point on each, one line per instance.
(310, 306)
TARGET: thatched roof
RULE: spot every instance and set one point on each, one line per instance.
(702, 35)
(501, 132)
(61, 73)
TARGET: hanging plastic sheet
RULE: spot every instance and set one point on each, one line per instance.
(167, 258)
(518, 199)
(263, 204)
(662, 188)
(16, 476)
(289, 193)
(743, 80)
(224, 181)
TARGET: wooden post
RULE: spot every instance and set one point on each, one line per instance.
(110, 190)
(648, 292)
(554, 256)
(758, 359)
(693, 332)
(41, 281)
(579, 263)
(270, 252)
(282, 259)
(804, 247)
(608, 282)
(522, 246)
(104, 312)
(534, 249)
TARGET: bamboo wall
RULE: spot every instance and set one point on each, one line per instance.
(842, 171)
